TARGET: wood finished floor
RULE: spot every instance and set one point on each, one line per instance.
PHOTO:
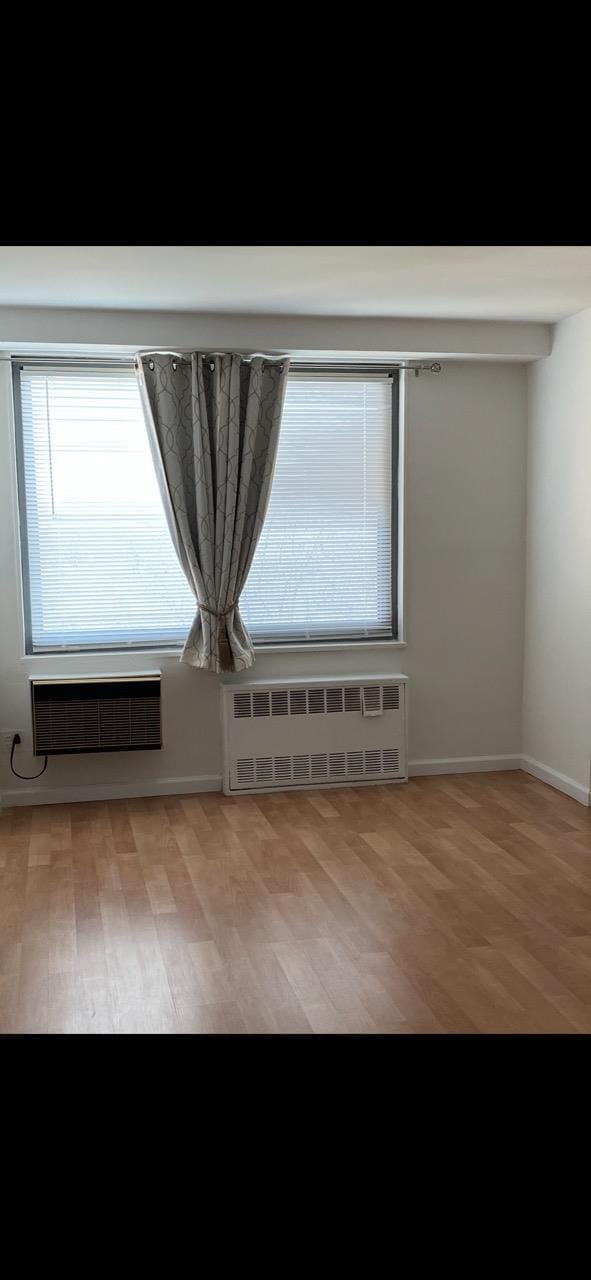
(451, 904)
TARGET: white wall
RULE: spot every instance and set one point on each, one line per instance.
(465, 482)
(557, 675)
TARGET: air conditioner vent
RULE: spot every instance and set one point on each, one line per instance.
(96, 714)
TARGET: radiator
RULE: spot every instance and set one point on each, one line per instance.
(96, 713)
(305, 733)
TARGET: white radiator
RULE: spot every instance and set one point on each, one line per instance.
(280, 734)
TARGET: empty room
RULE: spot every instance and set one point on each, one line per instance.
(295, 640)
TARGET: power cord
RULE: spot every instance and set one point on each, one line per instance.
(25, 777)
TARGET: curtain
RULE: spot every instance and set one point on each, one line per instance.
(213, 424)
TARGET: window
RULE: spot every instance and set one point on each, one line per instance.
(323, 566)
(99, 567)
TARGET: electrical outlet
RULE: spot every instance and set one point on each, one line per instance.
(6, 738)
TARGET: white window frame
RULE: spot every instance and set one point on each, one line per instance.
(319, 368)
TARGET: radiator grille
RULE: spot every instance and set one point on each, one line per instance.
(73, 718)
(317, 701)
(332, 766)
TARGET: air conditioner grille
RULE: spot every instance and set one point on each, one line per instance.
(94, 716)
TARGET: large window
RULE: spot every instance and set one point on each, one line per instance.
(99, 567)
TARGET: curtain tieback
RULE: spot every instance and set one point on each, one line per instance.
(219, 613)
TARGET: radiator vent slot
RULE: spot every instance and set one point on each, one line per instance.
(334, 699)
(391, 697)
(245, 772)
(242, 705)
(352, 698)
(372, 699)
(316, 702)
(264, 769)
(301, 768)
(93, 715)
(297, 702)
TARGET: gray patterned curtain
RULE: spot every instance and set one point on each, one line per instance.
(213, 423)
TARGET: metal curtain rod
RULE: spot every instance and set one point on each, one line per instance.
(432, 366)
(304, 366)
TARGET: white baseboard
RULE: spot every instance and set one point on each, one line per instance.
(112, 791)
(463, 764)
(213, 782)
(556, 779)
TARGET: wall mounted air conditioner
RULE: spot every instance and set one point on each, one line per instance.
(314, 732)
(96, 713)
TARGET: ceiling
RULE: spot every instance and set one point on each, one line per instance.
(470, 282)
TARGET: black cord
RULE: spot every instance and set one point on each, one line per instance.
(25, 777)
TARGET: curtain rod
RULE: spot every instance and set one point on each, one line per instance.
(431, 366)
(304, 366)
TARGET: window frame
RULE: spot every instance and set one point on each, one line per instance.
(320, 368)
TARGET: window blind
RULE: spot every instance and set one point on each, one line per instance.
(101, 567)
(323, 566)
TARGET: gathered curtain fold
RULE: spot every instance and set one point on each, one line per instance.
(213, 424)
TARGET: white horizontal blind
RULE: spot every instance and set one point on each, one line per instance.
(323, 566)
(101, 565)
(102, 570)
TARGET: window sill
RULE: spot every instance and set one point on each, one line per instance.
(310, 646)
(320, 646)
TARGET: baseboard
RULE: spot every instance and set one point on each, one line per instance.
(556, 779)
(463, 764)
(213, 782)
(112, 791)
